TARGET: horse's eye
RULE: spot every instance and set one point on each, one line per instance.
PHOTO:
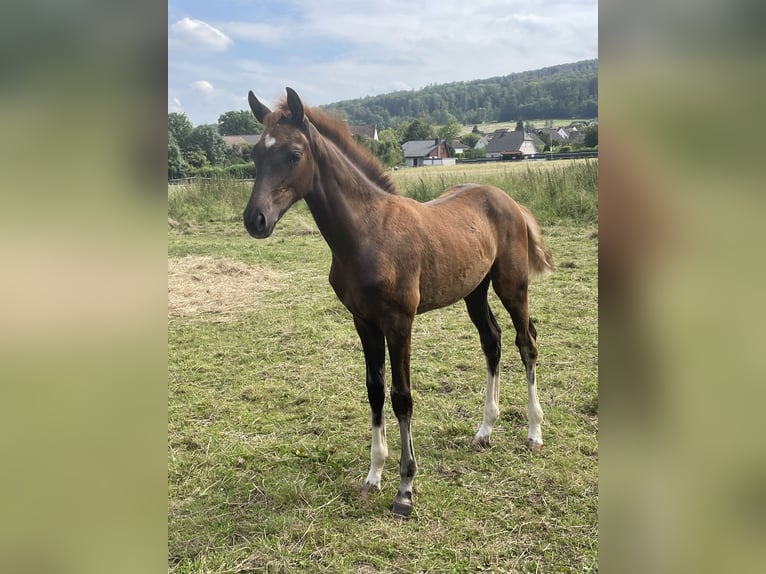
(295, 156)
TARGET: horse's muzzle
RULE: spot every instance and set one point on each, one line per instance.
(257, 224)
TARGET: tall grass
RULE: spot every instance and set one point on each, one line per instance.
(213, 199)
(561, 192)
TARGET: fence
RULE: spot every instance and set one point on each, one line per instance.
(196, 178)
(537, 156)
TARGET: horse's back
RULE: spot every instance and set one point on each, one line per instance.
(465, 201)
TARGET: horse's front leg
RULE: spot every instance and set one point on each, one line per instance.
(374, 346)
(398, 335)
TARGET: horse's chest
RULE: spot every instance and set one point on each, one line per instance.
(340, 280)
(362, 292)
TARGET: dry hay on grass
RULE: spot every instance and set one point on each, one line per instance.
(222, 287)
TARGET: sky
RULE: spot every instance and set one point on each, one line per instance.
(333, 50)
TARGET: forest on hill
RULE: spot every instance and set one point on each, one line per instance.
(563, 91)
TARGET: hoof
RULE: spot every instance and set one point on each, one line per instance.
(403, 505)
(480, 442)
(402, 509)
(533, 445)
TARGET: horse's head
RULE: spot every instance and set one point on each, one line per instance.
(283, 164)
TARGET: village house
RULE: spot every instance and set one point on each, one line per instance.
(250, 140)
(509, 143)
(419, 153)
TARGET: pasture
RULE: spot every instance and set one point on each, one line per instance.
(268, 419)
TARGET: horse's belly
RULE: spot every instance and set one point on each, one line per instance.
(452, 284)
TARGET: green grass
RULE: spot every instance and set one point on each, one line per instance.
(268, 426)
(558, 191)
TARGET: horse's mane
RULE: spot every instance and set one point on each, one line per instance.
(336, 130)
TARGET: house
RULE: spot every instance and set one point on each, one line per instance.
(368, 130)
(250, 140)
(426, 152)
(483, 141)
(510, 142)
(459, 147)
(557, 135)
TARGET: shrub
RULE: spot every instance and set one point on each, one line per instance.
(241, 171)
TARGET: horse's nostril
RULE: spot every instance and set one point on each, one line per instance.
(260, 221)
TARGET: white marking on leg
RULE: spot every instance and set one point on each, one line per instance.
(378, 455)
(491, 409)
(534, 411)
(407, 458)
(268, 140)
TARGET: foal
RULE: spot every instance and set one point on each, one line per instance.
(393, 258)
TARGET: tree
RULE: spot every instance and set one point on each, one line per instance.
(239, 123)
(520, 126)
(564, 91)
(181, 128)
(389, 148)
(239, 154)
(207, 140)
(591, 136)
(196, 158)
(470, 139)
(451, 130)
(177, 165)
(418, 130)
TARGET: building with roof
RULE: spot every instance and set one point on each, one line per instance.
(509, 143)
(418, 153)
(250, 140)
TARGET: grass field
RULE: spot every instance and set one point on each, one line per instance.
(268, 421)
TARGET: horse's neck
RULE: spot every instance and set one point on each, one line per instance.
(341, 199)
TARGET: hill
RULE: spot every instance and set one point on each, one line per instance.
(563, 91)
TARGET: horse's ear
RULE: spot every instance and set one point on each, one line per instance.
(296, 107)
(258, 109)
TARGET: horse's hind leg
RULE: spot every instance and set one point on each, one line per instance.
(489, 333)
(513, 294)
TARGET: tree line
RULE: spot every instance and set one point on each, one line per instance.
(201, 150)
(563, 91)
(439, 111)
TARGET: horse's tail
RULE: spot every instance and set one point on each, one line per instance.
(540, 257)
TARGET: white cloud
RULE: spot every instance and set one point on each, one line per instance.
(255, 31)
(198, 34)
(338, 49)
(204, 86)
(174, 105)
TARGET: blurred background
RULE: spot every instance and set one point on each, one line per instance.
(83, 286)
(681, 270)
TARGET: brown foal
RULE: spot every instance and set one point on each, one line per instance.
(393, 258)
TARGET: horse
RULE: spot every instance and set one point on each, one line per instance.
(394, 258)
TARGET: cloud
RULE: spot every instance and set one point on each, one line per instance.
(174, 105)
(254, 31)
(204, 86)
(198, 34)
(338, 49)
